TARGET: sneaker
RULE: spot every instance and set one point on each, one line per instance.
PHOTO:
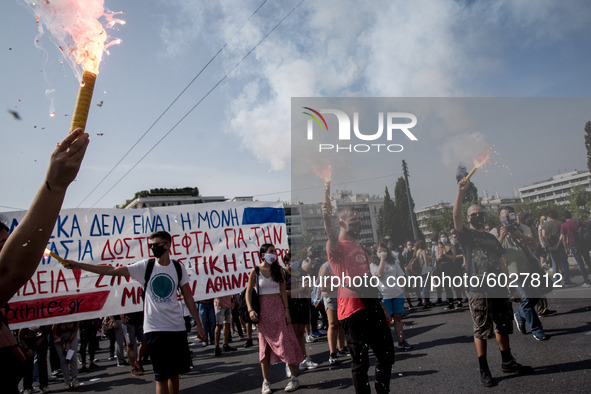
(27, 391)
(92, 366)
(111, 358)
(75, 384)
(45, 389)
(547, 312)
(228, 348)
(136, 371)
(287, 371)
(586, 284)
(514, 367)
(293, 384)
(316, 334)
(83, 369)
(218, 351)
(122, 363)
(332, 359)
(308, 364)
(266, 389)
(248, 343)
(486, 379)
(68, 385)
(310, 339)
(540, 336)
(450, 307)
(520, 323)
(343, 352)
(204, 344)
(404, 346)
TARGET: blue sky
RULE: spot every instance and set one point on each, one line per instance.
(236, 142)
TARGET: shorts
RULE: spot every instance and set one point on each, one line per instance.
(169, 352)
(299, 310)
(394, 305)
(132, 333)
(486, 311)
(330, 302)
(223, 316)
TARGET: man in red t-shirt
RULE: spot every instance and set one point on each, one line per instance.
(364, 322)
(568, 230)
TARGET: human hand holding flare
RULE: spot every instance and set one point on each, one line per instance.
(478, 162)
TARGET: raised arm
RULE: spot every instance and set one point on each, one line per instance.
(329, 228)
(457, 212)
(24, 249)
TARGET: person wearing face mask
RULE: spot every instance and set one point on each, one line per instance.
(363, 319)
(164, 325)
(277, 339)
(491, 310)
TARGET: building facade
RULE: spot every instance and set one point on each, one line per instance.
(555, 189)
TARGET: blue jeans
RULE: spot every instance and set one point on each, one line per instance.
(207, 317)
(560, 259)
(527, 312)
(576, 251)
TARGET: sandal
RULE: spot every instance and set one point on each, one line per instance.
(136, 371)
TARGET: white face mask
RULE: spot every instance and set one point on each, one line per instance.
(295, 265)
(270, 258)
(443, 240)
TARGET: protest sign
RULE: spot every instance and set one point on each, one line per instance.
(218, 244)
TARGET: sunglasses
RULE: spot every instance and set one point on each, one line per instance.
(475, 214)
(152, 246)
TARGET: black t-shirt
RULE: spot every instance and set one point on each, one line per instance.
(482, 252)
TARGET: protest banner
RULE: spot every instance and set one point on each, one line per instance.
(218, 244)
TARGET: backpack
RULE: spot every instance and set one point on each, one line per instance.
(583, 234)
(243, 310)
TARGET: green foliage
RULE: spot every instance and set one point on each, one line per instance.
(387, 218)
(588, 143)
(443, 222)
(579, 200)
(403, 227)
(185, 191)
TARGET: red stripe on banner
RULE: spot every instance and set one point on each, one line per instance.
(24, 311)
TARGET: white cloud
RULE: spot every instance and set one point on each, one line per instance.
(337, 48)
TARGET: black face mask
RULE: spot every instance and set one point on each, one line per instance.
(158, 251)
(477, 222)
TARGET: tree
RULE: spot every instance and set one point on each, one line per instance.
(403, 227)
(578, 199)
(443, 222)
(387, 218)
(588, 143)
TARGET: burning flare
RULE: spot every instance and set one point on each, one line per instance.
(55, 256)
(479, 162)
(77, 26)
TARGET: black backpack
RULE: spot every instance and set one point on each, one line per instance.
(254, 302)
(583, 234)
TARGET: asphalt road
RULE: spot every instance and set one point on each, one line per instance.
(443, 359)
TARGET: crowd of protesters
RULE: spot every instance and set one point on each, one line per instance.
(353, 318)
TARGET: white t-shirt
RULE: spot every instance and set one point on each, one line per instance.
(163, 311)
(392, 271)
